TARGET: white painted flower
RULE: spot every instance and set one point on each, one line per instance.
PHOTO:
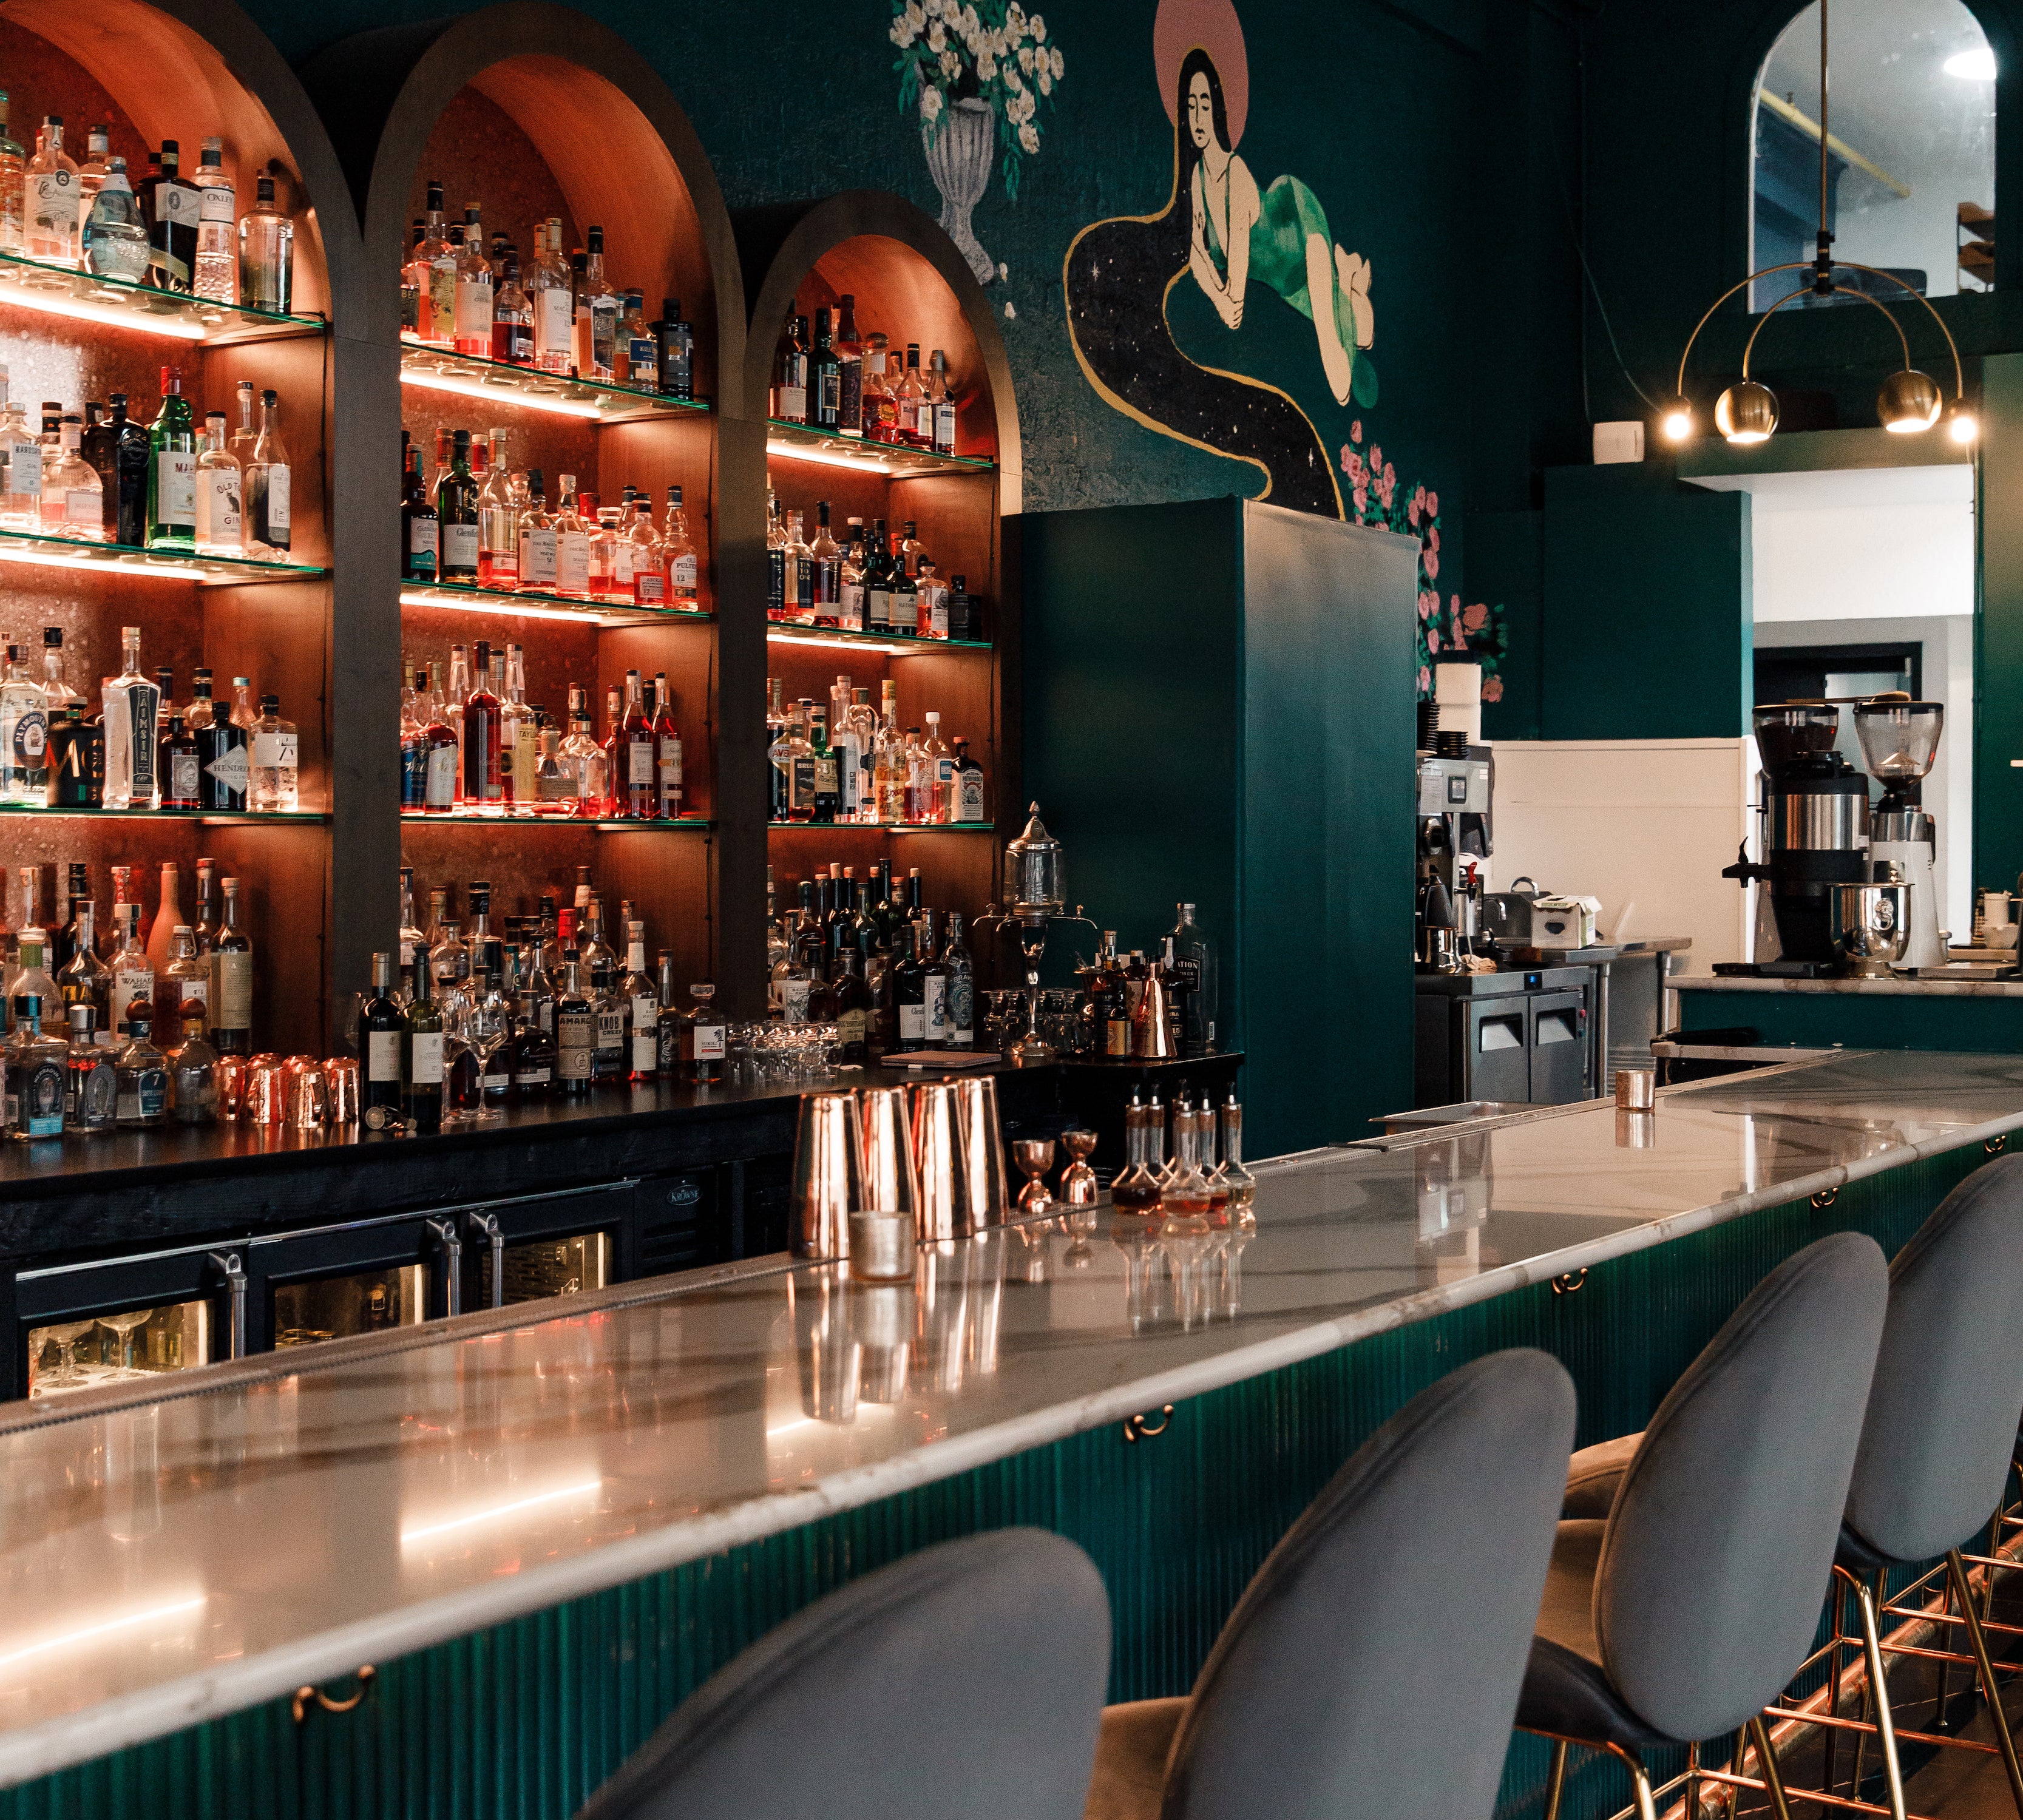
(1046, 81)
(1028, 138)
(899, 34)
(930, 103)
(916, 16)
(1025, 58)
(986, 67)
(936, 36)
(1015, 18)
(1010, 313)
(1038, 27)
(951, 65)
(1012, 79)
(1060, 63)
(971, 25)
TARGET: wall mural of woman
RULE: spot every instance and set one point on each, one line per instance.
(1220, 233)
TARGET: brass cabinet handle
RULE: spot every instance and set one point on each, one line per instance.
(1137, 1429)
(304, 1696)
(1826, 1198)
(1573, 1280)
(1995, 1145)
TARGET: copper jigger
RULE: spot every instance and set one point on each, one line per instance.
(1079, 1187)
(340, 1072)
(1035, 1157)
(232, 1087)
(305, 1091)
(941, 1162)
(828, 1174)
(983, 1151)
(266, 1101)
(891, 1181)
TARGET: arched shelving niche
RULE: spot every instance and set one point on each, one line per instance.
(910, 284)
(533, 111)
(184, 70)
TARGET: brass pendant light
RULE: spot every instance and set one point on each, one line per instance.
(1909, 402)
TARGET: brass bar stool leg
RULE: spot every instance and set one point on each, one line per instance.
(1779, 1805)
(1830, 1751)
(1997, 1718)
(1945, 1668)
(1885, 1728)
(1693, 1782)
(1647, 1807)
(1556, 1782)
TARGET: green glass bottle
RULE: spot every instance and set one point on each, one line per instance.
(456, 515)
(172, 470)
(421, 1054)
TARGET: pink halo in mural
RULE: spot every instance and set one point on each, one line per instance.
(1213, 24)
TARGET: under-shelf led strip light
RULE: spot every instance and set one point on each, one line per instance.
(500, 394)
(58, 303)
(591, 611)
(103, 565)
(832, 644)
(828, 458)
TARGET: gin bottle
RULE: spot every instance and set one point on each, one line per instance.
(172, 472)
(24, 734)
(51, 198)
(216, 275)
(268, 489)
(266, 253)
(116, 236)
(73, 495)
(132, 709)
(221, 523)
(276, 750)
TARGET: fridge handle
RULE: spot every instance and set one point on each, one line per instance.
(452, 1248)
(486, 1226)
(234, 1273)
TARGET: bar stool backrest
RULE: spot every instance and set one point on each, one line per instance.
(966, 1679)
(1372, 1665)
(1721, 1541)
(1949, 1391)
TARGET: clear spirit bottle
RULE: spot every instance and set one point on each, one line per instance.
(221, 523)
(475, 292)
(649, 555)
(245, 432)
(132, 705)
(21, 451)
(269, 495)
(683, 564)
(116, 234)
(38, 1069)
(277, 751)
(91, 1093)
(91, 174)
(216, 275)
(132, 973)
(266, 253)
(51, 197)
(193, 1066)
(24, 735)
(572, 543)
(13, 174)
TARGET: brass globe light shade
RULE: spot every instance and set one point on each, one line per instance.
(1909, 402)
(1746, 412)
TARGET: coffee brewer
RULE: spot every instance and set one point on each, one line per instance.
(1899, 738)
(1813, 831)
(1456, 783)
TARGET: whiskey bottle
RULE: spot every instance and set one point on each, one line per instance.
(880, 410)
(824, 379)
(679, 558)
(575, 1034)
(276, 751)
(604, 308)
(483, 781)
(171, 450)
(474, 295)
(675, 340)
(853, 1004)
(420, 539)
(422, 1055)
(269, 491)
(91, 1092)
(790, 373)
(849, 599)
(221, 525)
(267, 253)
(914, 422)
(642, 1008)
(960, 1033)
(456, 515)
(850, 358)
(825, 572)
(131, 704)
(909, 992)
(232, 980)
(175, 214)
(572, 543)
(878, 580)
(533, 1047)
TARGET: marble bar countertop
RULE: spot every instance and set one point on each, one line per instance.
(1891, 987)
(166, 1558)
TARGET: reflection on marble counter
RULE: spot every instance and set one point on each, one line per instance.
(285, 1521)
(1891, 987)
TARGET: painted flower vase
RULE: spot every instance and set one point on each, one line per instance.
(959, 146)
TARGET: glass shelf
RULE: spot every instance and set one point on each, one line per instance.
(215, 817)
(796, 442)
(85, 297)
(602, 400)
(682, 824)
(469, 599)
(890, 644)
(41, 551)
(890, 827)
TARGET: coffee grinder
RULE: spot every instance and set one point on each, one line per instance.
(1812, 823)
(1899, 738)
(1457, 782)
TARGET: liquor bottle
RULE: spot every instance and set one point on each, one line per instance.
(850, 590)
(277, 750)
(793, 984)
(480, 711)
(420, 537)
(380, 1029)
(800, 607)
(933, 983)
(193, 1067)
(21, 450)
(824, 379)
(942, 402)
(825, 798)
(913, 415)
(172, 448)
(161, 930)
(98, 448)
(183, 975)
(604, 310)
(642, 1009)
(825, 572)
(891, 762)
(91, 1086)
(519, 739)
(13, 173)
(114, 236)
(131, 705)
(73, 498)
(91, 174)
(683, 567)
(940, 805)
(853, 1003)
(1196, 977)
(790, 373)
(548, 293)
(609, 579)
(472, 299)
(635, 780)
(38, 1071)
(932, 607)
(133, 974)
(232, 981)
(126, 497)
(909, 995)
(24, 735)
(967, 800)
(220, 527)
(572, 543)
(638, 362)
(880, 409)
(418, 275)
(224, 758)
(956, 957)
(849, 363)
(533, 1060)
(51, 198)
(575, 1034)
(583, 762)
(675, 340)
(266, 253)
(422, 1055)
(498, 527)
(456, 515)
(878, 579)
(217, 264)
(76, 762)
(269, 489)
(512, 316)
(905, 599)
(666, 753)
(83, 978)
(175, 211)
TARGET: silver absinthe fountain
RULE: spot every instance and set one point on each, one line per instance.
(1035, 900)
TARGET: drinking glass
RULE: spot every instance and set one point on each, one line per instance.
(124, 1325)
(67, 1334)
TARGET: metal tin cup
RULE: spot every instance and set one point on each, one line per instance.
(828, 1174)
(266, 1101)
(232, 1087)
(881, 1245)
(940, 1163)
(984, 1152)
(340, 1072)
(891, 1179)
(305, 1091)
(1636, 1089)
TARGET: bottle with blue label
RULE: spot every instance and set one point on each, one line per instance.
(38, 1067)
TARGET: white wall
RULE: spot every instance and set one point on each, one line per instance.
(1645, 825)
(1860, 543)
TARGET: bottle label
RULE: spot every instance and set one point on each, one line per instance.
(709, 1042)
(232, 982)
(218, 202)
(611, 1031)
(639, 763)
(682, 569)
(382, 1055)
(24, 469)
(793, 404)
(175, 490)
(421, 539)
(128, 985)
(184, 776)
(961, 1009)
(944, 428)
(442, 300)
(84, 506)
(851, 603)
(231, 768)
(825, 775)
(642, 358)
(878, 604)
(196, 991)
(459, 549)
(575, 1039)
(145, 1097)
(276, 496)
(554, 319)
(646, 1049)
(425, 1058)
(969, 800)
(473, 310)
(830, 403)
(912, 1023)
(31, 740)
(794, 1001)
(526, 1077)
(218, 506)
(572, 563)
(275, 751)
(935, 988)
(604, 333)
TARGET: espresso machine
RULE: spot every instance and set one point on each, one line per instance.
(1813, 833)
(1899, 738)
(1456, 784)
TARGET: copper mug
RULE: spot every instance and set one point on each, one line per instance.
(341, 1074)
(828, 1174)
(984, 1152)
(941, 1164)
(232, 1086)
(305, 1091)
(891, 1179)
(266, 1100)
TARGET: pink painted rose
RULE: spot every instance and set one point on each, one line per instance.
(1355, 431)
(1348, 455)
(1492, 688)
(1432, 640)
(1476, 618)
(1375, 459)
(1360, 494)
(1433, 504)
(1433, 537)
(1426, 681)
(1429, 561)
(1429, 604)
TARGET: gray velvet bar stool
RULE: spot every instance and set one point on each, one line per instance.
(1680, 1616)
(1937, 1441)
(1371, 1666)
(965, 1679)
